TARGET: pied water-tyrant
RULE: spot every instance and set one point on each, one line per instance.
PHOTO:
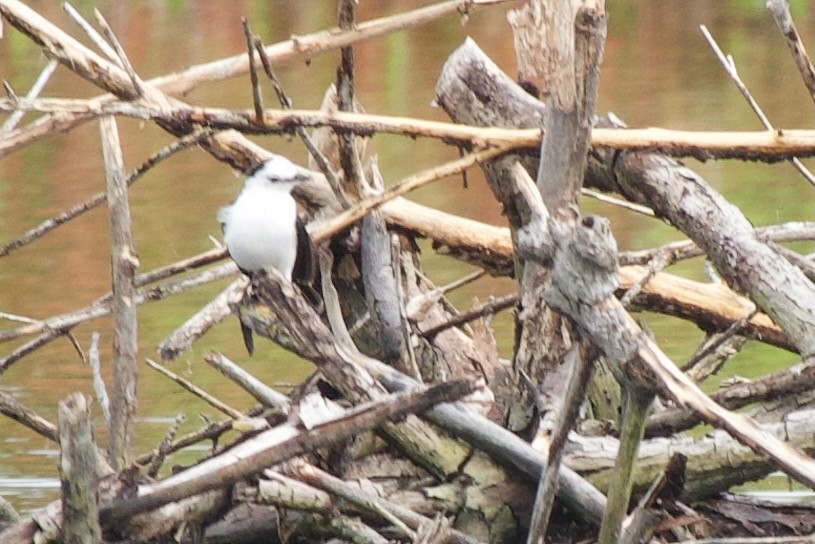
(262, 229)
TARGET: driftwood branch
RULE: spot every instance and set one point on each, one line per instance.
(123, 303)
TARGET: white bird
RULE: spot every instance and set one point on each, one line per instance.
(262, 229)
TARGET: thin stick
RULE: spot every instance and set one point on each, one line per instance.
(262, 393)
(11, 408)
(319, 158)
(125, 323)
(35, 90)
(634, 207)
(91, 32)
(349, 158)
(730, 67)
(794, 231)
(202, 321)
(197, 391)
(59, 324)
(257, 97)
(181, 83)
(164, 448)
(98, 383)
(760, 145)
(334, 225)
(124, 62)
(582, 364)
(781, 13)
(78, 209)
(495, 305)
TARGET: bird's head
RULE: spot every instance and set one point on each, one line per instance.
(276, 173)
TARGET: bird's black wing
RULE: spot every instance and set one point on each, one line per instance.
(304, 265)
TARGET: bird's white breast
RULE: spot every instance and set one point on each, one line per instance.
(259, 229)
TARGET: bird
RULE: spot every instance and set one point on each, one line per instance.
(262, 229)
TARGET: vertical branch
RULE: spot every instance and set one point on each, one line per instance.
(781, 13)
(257, 97)
(635, 409)
(123, 268)
(78, 470)
(345, 96)
(548, 486)
(572, 38)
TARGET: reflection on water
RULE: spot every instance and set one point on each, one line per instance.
(657, 71)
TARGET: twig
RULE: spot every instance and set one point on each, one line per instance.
(264, 394)
(275, 445)
(91, 32)
(183, 82)
(125, 323)
(781, 13)
(788, 382)
(27, 417)
(197, 391)
(257, 96)
(19, 318)
(686, 249)
(495, 305)
(390, 510)
(124, 62)
(58, 324)
(731, 331)
(334, 225)
(202, 321)
(581, 363)
(319, 158)
(639, 208)
(164, 447)
(212, 431)
(98, 383)
(657, 264)
(35, 90)
(756, 145)
(730, 67)
(349, 159)
(97, 199)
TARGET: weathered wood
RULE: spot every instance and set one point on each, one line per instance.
(123, 304)
(275, 445)
(79, 473)
(715, 462)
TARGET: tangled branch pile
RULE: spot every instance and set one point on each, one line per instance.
(415, 429)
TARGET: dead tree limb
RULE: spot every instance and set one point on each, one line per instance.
(123, 304)
(79, 472)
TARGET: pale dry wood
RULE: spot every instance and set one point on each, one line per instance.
(275, 445)
(730, 67)
(264, 394)
(798, 379)
(180, 83)
(79, 472)
(202, 321)
(716, 461)
(123, 302)
(356, 495)
(197, 391)
(573, 42)
(766, 145)
(781, 13)
(12, 408)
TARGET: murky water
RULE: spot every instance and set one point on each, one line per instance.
(657, 71)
